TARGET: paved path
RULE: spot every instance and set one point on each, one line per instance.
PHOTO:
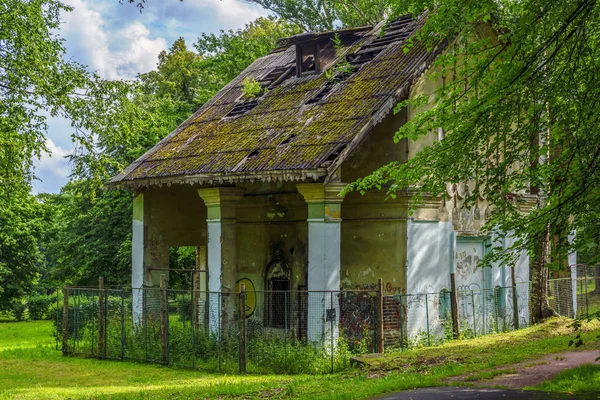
(532, 373)
(468, 393)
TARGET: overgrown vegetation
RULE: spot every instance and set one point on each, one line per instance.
(27, 354)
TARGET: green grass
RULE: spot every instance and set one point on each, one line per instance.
(31, 368)
(581, 380)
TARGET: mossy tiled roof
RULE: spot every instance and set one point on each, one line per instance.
(283, 133)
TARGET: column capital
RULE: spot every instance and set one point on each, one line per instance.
(320, 193)
(221, 201)
(324, 201)
(217, 195)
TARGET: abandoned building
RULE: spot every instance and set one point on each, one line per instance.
(254, 182)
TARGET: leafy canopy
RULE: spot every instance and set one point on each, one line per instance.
(519, 103)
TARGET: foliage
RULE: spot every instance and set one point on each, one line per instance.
(319, 15)
(18, 310)
(39, 306)
(91, 236)
(517, 105)
(251, 88)
(24, 225)
(342, 68)
(36, 82)
(228, 53)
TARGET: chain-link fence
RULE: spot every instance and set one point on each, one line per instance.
(280, 332)
(425, 319)
(286, 331)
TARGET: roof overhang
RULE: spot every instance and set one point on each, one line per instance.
(220, 178)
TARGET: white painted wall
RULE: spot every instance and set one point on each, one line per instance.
(214, 275)
(324, 250)
(137, 259)
(428, 268)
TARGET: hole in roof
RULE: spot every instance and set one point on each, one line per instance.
(270, 81)
(287, 140)
(398, 30)
(331, 157)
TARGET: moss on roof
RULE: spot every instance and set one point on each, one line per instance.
(283, 132)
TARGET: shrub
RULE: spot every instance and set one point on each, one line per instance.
(18, 310)
(39, 307)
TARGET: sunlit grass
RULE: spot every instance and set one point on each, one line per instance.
(31, 368)
(583, 379)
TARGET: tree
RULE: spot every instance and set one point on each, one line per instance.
(520, 107)
(227, 54)
(24, 225)
(321, 15)
(36, 81)
(92, 231)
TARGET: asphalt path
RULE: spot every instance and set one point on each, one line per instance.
(468, 393)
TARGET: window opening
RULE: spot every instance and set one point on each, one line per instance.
(307, 58)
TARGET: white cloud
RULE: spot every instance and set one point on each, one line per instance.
(111, 53)
(52, 169)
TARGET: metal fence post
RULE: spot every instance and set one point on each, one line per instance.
(454, 306)
(557, 296)
(331, 333)
(401, 325)
(122, 324)
(194, 317)
(585, 283)
(164, 319)
(145, 321)
(219, 333)
(483, 330)
(380, 332)
(101, 300)
(285, 300)
(242, 313)
(473, 307)
(427, 314)
(65, 322)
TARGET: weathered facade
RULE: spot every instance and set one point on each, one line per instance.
(254, 183)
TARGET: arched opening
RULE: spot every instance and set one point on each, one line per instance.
(277, 299)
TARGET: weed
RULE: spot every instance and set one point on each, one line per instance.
(251, 88)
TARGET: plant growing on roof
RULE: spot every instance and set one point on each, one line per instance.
(251, 88)
(342, 68)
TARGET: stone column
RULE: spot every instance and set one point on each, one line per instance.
(221, 253)
(137, 258)
(324, 254)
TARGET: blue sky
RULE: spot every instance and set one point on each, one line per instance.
(117, 42)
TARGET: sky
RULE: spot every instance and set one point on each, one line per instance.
(118, 42)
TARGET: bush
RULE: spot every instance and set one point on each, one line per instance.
(39, 307)
(18, 310)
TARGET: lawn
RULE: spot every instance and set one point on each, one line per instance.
(31, 368)
(583, 379)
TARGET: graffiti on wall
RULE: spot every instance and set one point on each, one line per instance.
(250, 295)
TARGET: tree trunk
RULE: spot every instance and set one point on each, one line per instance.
(540, 307)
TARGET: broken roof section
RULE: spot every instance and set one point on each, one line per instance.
(305, 123)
